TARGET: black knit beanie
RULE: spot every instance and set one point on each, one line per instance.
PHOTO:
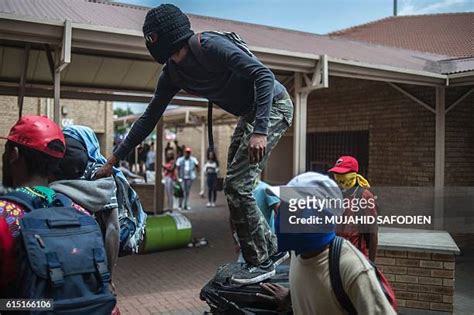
(172, 28)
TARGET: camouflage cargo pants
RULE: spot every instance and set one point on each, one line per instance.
(256, 239)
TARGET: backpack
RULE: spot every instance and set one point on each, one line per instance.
(224, 297)
(336, 281)
(61, 257)
(131, 216)
(194, 43)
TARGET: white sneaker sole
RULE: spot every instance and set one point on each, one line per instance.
(282, 259)
(258, 279)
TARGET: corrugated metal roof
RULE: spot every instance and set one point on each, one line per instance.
(448, 34)
(131, 18)
(456, 65)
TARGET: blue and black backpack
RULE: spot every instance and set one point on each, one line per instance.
(61, 256)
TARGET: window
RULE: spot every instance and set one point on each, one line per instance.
(323, 149)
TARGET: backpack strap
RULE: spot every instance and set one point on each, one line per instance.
(56, 273)
(335, 276)
(210, 137)
(61, 200)
(194, 43)
(101, 265)
(25, 200)
(31, 203)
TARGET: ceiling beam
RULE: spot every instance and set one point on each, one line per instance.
(412, 97)
(24, 70)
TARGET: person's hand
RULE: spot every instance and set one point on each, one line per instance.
(278, 294)
(257, 146)
(107, 168)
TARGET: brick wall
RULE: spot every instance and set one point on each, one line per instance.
(9, 114)
(146, 193)
(95, 114)
(420, 280)
(401, 132)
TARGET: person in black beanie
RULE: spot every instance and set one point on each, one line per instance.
(213, 66)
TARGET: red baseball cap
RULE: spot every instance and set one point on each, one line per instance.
(37, 132)
(345, 164)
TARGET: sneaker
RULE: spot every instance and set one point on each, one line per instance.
(208, 204)
(279, 257)
(213, 204)
(250, 274)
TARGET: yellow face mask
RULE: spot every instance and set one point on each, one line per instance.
(346, 181)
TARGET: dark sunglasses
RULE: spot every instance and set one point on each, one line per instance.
(151, 38)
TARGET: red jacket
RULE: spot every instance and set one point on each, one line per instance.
(352, 232)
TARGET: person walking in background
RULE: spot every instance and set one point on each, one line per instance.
(187, 167)
(168, 147)
(211, 169)
(169, 175)
(150, 158)
(355, 186)
(142, 157)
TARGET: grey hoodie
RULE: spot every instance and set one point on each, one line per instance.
(93, 196)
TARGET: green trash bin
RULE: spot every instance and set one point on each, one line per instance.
(166, 231)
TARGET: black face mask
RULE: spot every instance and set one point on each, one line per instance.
(158, 52)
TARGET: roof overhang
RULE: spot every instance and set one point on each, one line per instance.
(113, 64)
(461, 79)
(185, 117)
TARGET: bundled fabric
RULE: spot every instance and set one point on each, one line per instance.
(132, 217)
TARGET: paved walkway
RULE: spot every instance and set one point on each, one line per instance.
(169, 282)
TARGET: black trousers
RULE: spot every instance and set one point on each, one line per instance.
(211, 187)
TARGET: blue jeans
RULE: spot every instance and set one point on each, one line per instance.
(187, 183)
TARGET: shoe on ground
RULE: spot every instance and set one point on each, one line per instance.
(279, 258)
(213, 204)
(187, 208)
(208, 204)
(250, 274)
